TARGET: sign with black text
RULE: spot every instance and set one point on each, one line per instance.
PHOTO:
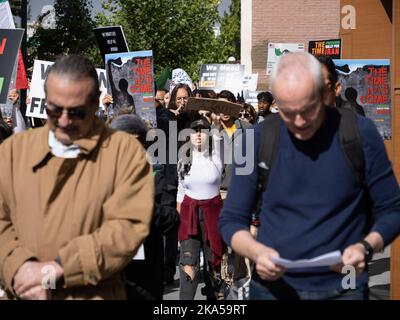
(36, 106)
(110, 40)
(219, 77)
(331, 48)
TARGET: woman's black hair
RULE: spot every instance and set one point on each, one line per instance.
(184, 165)
(172, 101)
(228, 95)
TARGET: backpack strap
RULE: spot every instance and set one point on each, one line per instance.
(267, 151)
(351, 144)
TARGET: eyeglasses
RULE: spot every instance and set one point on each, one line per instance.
(182, 99)
(244, 115)
(73, 114)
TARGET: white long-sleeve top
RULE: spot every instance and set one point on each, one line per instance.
(203, 180)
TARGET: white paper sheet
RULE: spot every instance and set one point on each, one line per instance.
(325, 260)
(139, 254)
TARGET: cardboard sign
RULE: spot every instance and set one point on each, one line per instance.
(331, 48)
(368, 81)
(110, 40)
(219, 77)
(276, 50)
(37, 105)
(214, 105)
(10, 40)
(131, 82)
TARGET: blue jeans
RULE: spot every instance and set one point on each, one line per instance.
(281, 291)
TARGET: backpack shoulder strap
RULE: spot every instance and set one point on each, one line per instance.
(267, 151)
(351, 143)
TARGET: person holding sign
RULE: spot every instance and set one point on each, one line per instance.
(71, 235)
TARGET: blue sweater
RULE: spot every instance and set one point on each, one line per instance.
(312, 204)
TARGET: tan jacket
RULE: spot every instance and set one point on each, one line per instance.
(93, 211)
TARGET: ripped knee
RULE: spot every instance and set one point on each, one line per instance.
(187, 265)
(189, 270)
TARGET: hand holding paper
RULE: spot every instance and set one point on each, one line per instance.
(325, 260)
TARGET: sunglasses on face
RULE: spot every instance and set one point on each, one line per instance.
(73, 114)
(244, 115)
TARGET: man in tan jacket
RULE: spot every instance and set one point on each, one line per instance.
(76, 198)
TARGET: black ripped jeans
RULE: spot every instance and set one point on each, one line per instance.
(190, 256)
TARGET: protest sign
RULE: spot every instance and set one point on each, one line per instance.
(219, 77)
(250, 82)
(214, 105)
(7, 22)
(331, 48)
(131, 82)
(276, 50)
(36, 107)
(10, 40)
(180, 76)
(250, 97)
(110, 40)
(366, 84)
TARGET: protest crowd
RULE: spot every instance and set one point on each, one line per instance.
(112, 193)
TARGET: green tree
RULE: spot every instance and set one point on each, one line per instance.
(73, 33)
(180, 32)
(229, 39)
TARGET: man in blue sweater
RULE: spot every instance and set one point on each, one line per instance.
(312, 204)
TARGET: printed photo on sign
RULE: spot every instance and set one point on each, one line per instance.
(131, 81)
(366, 89)
(276, 50)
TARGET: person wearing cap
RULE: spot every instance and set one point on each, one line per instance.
(199, 204)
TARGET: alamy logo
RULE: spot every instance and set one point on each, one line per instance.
(349, 20)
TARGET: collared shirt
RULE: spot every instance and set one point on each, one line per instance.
(92, 211)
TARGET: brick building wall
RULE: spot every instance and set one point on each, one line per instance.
(290, 21)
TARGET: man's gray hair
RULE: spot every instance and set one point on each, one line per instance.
(76, 68)
(300, 59)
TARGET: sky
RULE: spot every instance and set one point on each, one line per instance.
(37, 5)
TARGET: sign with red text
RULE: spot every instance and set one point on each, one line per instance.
(131, 82)
(10, 40)
(368, 81)
(331, 48)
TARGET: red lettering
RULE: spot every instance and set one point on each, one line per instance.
(3, 45)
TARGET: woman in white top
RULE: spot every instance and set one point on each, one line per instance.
(199, 205)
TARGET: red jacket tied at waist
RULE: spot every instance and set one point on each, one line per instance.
(189, 218)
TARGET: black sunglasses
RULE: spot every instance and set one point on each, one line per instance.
(73, 114)
(244, 114)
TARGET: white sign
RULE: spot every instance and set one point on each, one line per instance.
(276, 50)
(37, 104)
(180, 76)
(250, 82)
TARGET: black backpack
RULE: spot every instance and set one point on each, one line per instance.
(351, 146)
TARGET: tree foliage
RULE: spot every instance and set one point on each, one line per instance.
(229, 40)
(180, 32)
(73, 33)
